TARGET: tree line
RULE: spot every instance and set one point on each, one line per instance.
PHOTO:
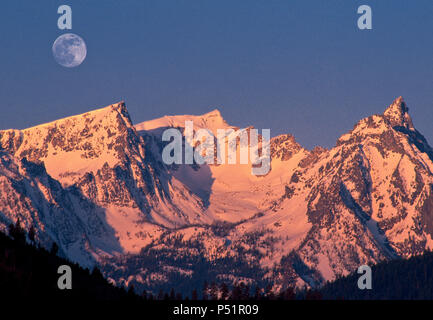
(28, 270)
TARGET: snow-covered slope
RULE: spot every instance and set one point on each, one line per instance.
(231, 191)
(322, 213)
(58, 215)
(99, 156)
(98, 187)
(211, 121)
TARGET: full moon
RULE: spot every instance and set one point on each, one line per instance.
(69, 50)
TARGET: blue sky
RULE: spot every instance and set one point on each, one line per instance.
(297, 66)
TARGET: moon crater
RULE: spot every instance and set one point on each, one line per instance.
(69, 50)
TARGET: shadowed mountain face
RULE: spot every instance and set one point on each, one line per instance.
(99, 158)
(97, 186)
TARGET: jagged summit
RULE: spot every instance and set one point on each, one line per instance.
(83, 142)
(110, 110)
(118, 106)
(397, 114)
(395, 118)
(284, 146)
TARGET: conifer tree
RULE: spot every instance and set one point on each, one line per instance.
(194, 295)
(224, 291)
(205, 291)
(172, 294)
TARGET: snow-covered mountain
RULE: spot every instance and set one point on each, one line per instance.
(97, 186)
(98, 157)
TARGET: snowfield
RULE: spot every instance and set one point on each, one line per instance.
(96, 185)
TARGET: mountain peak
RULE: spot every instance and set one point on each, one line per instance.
(84, 142)
(213, 113)
(397, 114)
(119, 107)
(111, 110)
(212, 120)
